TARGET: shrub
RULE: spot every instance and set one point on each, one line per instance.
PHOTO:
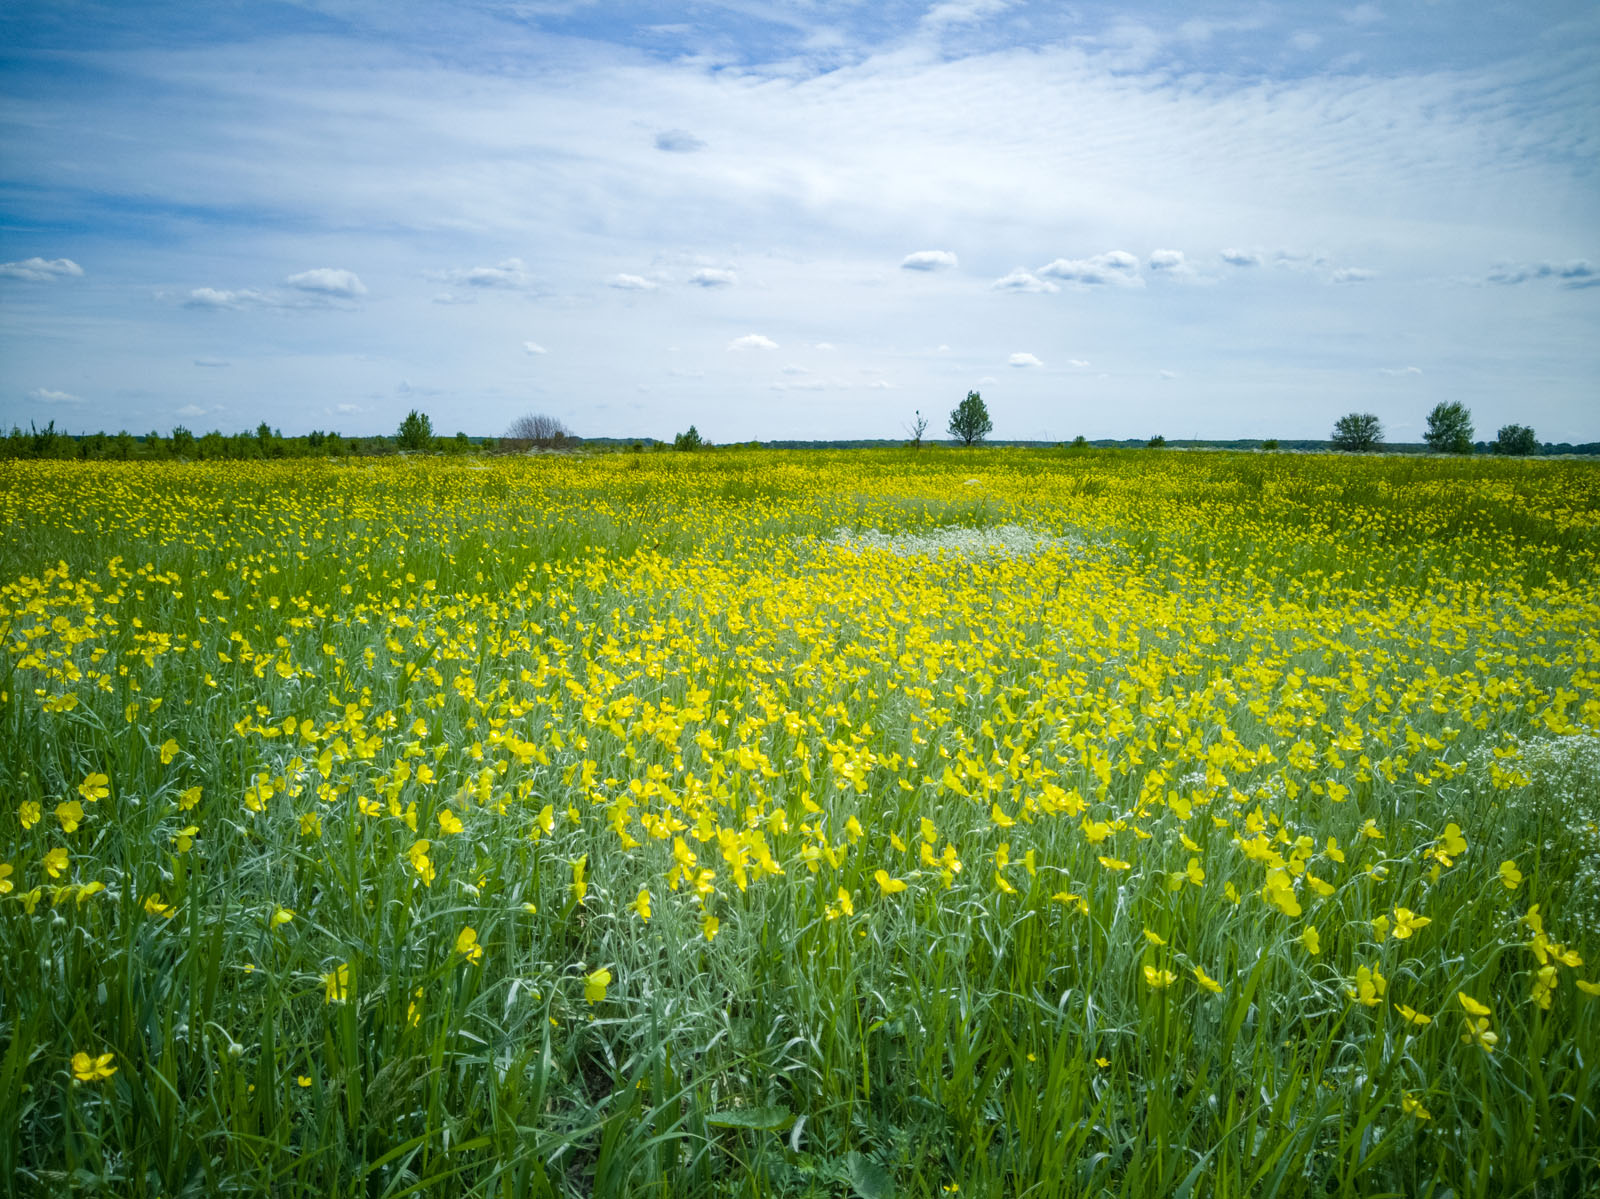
(537, 430)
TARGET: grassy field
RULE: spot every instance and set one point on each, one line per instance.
(997, 823)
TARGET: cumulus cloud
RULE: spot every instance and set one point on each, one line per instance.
(49, 395)
(1114, 266)
(329, 281)
(631, 283)
(678, 141)
(928, 260)
(1577, 273)
(41, 270)
(512, 273)
(1024, 360)
(752, 341)
(1235, 257)
(712, 277)
(1170, 263)
(212, 362)
(533, 347)
(1021, 280)
(1353, 274)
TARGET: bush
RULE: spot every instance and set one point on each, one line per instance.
(1156, 442)
(1357, 433)
(969, 420)
(1449, 429)
(1517, 440)
(1270, 445)
(536, 430)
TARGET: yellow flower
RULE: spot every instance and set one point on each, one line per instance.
(1412, 1106)
(1510, 875)
(1406, 922)
(594, 985)
(1452, 842)
(1369, 988)
(280, 916)
(1333, 851)
(1153, 938)
(1312, 940)
(94, 787)
(1587, 987)
(641, 904)
(1002, 886)
(709, 926)
(88, 1069)
(999, 817)
(1474, 1008)
(55, 862)
(887, 885)
(183, 839)
(1412, 1016)
(189, 799)
(169, 750)
(1159, 979)
(310, 825)
(1113, 863)
(336, 983)
(1196, 873)
(1478, 1033)
(580, 887)
(420, 862)
(1206, 981)
(29, 813)
(6, 871)
(467, 945)
(303, 1080)
(154, 907)
(1370, 829)
(449, 822)
(853, 829)
(846, 904)
(1279, 891)
(1380, 927)
(894, 839)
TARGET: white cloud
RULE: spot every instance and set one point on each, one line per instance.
(211, 297)
(1353, 274)
(212, 362)
(792, 369)
(752, 341)
(512, 273)
(1234, 257)
(1114, 266)
(1399, 370)
(882, 385)
(712, 277)
(48, 395)
(533, 347)
(962, 12)
(1170, 263)
(329, 281)
(1077, 362)
(348, 409)
(678, 141)
(41, 270)
(1024, 360)
(1024, 281)
(928, 260)
(824, 346)
(631, 283)
(1164, 374)
(190, 410)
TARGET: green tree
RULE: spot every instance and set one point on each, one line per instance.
(1449, 428)
(415, 432)
(688, 440)
(969, 420)
(1357, 433)
(1156, 442)
(1516, 440)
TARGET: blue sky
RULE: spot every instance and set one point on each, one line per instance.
(804, 219)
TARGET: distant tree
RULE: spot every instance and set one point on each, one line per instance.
(1270, 445)
(1449, 429)
(415, 432)
(1156, 442)
(1516, 440)
(182, 442)
(969, 420)
(1080, 442)
(537, 430)
(688, 440)
(916, 428)
(1357, 433)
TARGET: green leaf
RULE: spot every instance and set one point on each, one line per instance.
(870, 1180)
(767, 1119)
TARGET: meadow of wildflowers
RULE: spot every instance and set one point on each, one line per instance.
(996, 823)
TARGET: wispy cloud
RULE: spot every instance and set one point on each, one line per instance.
(928, 260)
(49, 395)
(41, 270)
(1353, 274)
(212, 362)
(1024, 281)
(1576, 273)
(511, 273)
(631, 283)
(678, 141)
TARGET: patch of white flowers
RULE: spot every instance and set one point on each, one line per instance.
(1000, 541)
(1563, 776)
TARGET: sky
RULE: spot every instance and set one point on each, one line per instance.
(809, 219)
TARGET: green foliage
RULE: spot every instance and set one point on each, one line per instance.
(415, 432)
(1357, 433)
(1515, 440)
(689, 439)
(969, 420)
(1156, 442)
(1449, 429)
(1270, 445)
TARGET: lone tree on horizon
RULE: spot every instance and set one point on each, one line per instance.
(1518, 440)
(1449, 428)
(415, 432)
(969, 420)
(1357, 433)
(537, 429)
